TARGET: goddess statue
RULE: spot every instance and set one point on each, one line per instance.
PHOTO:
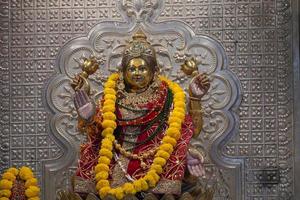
(139, 131)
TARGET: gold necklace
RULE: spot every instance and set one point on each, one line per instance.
(140, 156)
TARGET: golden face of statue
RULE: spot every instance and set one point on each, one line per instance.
(137, 74)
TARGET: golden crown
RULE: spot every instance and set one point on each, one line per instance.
(139, 46)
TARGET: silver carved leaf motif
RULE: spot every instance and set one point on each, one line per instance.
(174, 42)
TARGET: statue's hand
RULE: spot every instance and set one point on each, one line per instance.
(195, 164)
(79, 82)
(84, 105)
(199, 86)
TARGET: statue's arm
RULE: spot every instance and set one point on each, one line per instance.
(89, 114)
(198, 87)
(85, 106)
(195, 111)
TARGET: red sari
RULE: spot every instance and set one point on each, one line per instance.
(157, 116)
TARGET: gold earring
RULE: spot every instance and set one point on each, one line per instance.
(121, 85)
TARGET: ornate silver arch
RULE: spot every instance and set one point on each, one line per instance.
(174, 41)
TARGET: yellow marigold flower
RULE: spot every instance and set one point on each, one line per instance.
(163, 154)
(110, 96)
(175, 88)
(9, 176)
(34, 198)
(176, 136)
(101, 167)
(172, 130)
(31, 182)
(129, 188)
(137, 185)
(180, 109)
(107, 131)
(163, 78)
(109, 124)
(112, 191)
(169, 140)
(173, 134)
(4, 198)
(154, 175)
(101, 184)
(144, 184)
(159, 161)
(173, 119)
(107, 144)
(109, 91)
(175, 125)
(109, 116)
(104, 191)
(157, 168)
(24, 168)
(102, 175)
(110, 84)
(32, 191)
(179, 100)
(179, 104)
(25, 173)
(110, 137)
(150, 180)
(107, 147)
(119, 193)
(109, 108)
(179, 115)
(5, 193)
(105, 152)
(166, 147)
(109, 102)
(179, 95)
(13, 170)
(6, 184)
(104, 160)
(114, 76)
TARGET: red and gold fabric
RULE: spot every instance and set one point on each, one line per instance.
(173, 171)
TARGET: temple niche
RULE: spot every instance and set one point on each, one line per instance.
(171, 49)
(150, 99)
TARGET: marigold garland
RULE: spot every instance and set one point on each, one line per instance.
(169, 141)
(32, 191)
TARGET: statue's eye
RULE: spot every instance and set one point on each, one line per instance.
(143, 69)
(130, 69)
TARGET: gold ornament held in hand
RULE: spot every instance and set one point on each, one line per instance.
(89, 66)
(189, 67)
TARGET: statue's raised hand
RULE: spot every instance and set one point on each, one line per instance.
(84, 105)
(80, 82)
(199, 86)
(195, 163)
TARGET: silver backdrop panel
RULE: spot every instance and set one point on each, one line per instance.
(256, 36)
